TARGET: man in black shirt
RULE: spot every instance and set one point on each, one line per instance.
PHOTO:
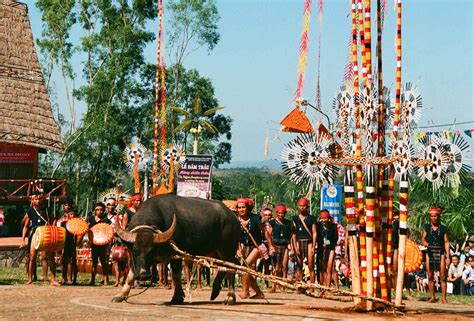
(435, 237)
(37, 216)
(327, 239)
(99, 251)
(304, 239)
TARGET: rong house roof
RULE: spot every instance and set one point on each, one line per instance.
(25, 111)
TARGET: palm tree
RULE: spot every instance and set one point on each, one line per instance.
(195, 120)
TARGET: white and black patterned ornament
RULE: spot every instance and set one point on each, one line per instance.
(430, 150)
(175, 152)
(301, 160)
(118, 196)
(343, 106)
(412, 100)
(406, 151)
(453, 150)
(140, 151)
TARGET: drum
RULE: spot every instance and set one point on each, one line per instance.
(49, 238)
(119, 253)
(77, 226)
(61, 220)
(83, 253)
(413, 256)
(102, 234)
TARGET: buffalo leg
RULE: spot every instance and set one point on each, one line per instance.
(176, 268)
(126, 288)
(216, 286)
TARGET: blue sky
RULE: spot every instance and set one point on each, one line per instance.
(254, 66)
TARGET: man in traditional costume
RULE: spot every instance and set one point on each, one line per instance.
(99, 251)
(38, 215)
(327, 240)
(435, 237)
(281, 230)
(249, 248)
(69, 261)
(304, 239)
(135, 203)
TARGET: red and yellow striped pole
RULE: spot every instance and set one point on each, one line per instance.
(349, 184)
(381, 191)
(163, 116)
(370, 192)
(404, 180)
(359, 183)
(157, 95)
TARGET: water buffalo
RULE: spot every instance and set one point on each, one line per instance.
(197, 226)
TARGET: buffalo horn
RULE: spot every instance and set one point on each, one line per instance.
(127, 236)
(162, 237)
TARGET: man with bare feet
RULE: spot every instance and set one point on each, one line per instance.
(38, 215)
(69, 261)
(304, 239)
(252, 230)
(99, 251)
(281, 231)
(435, 237)
(327, 240)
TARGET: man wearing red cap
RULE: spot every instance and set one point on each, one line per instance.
(435, 237)
(281, 231)
(327, 239)
(251, 234)
(135, 203)
(304, 239)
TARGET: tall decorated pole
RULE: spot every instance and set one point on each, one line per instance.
(370, 192)
(382, 185)
(358, 134)
(351, 209)
(157, 95)
(404, 197)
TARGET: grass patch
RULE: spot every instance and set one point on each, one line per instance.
(452, 299)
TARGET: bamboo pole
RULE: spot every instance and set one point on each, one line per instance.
(205, 261)
(403, 182)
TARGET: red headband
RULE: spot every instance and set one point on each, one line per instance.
(281, 208)
(250, 203)
(243, 200)
(136, 197)
(303, 201)
(324, 214)
(435, 210)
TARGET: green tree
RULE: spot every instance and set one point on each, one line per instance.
(193, 26)
(192, 84)
(111, 45)
(457, 204)
(58, 18)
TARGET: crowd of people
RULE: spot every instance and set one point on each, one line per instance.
(304, 247)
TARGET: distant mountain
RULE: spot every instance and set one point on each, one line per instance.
(272, 164)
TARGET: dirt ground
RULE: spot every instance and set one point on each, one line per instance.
(86, 302)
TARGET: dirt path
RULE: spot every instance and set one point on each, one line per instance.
(83, 302)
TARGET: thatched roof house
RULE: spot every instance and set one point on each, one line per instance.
(25, 110)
